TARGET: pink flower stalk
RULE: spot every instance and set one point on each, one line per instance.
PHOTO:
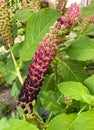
(5, 25)
(89, 20)
(37, 69)
(34, 5)
(42, 59)
(86, 22)
(72, 15)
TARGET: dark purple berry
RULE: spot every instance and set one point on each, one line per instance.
(26, 112)
(30, 105)
(23, 106)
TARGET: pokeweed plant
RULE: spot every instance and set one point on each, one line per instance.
(57, 88)
(43, 57)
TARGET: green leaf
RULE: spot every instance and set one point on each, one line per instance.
(84, 121)
(14, 30)
(22, 15)
(37, 25)
(49, 83)
(10, 69)
(3, 123)
(16, 48)
(2, 66)
(50, 102)
(10, 77)
(49, 97)
(89, 30)
(10, 65)
(75, 90)
(15, 90)
(82, 49)
(72, 71)
(24, 68)
(89, 10)
(61, 122)
(88, 99)
(89, 82)
(20, 125)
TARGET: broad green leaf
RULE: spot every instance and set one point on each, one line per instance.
(50, 102)
(49, 97)
(88, 99)
(61, 122)
(75, 90)
(82, 49)
(89, 30)
(89, 10)
(89, 82)
(24, 68)
(84, 121)
(11, 71)
(14, 30)
(49, 83)
(3, 55)
(37, 25)
(15, 90)
(3, 123)
(72, 71)
(53, 102)
(16, 48)
(20, 125)
(10, 65)
(22, 15)
(20, 111)
(10, 77)
(2, 66)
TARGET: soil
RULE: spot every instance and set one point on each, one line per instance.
(7, 102)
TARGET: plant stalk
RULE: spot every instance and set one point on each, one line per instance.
(16, 67)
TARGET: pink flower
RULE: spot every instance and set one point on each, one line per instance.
(72, 15)
(89, 20)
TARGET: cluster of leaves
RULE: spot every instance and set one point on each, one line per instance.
(66, 98)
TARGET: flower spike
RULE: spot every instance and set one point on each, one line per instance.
(5, 25)
(44, 56)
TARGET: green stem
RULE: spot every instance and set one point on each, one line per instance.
(59, 98)
(55, 70)
(49, 117)
(16, 67)
(56, 75)
(82, 109)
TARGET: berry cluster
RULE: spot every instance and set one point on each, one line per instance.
(89, 20)
(43, 57)
(5, 24)
(71, 17)
(37, 69)
(34, 5)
